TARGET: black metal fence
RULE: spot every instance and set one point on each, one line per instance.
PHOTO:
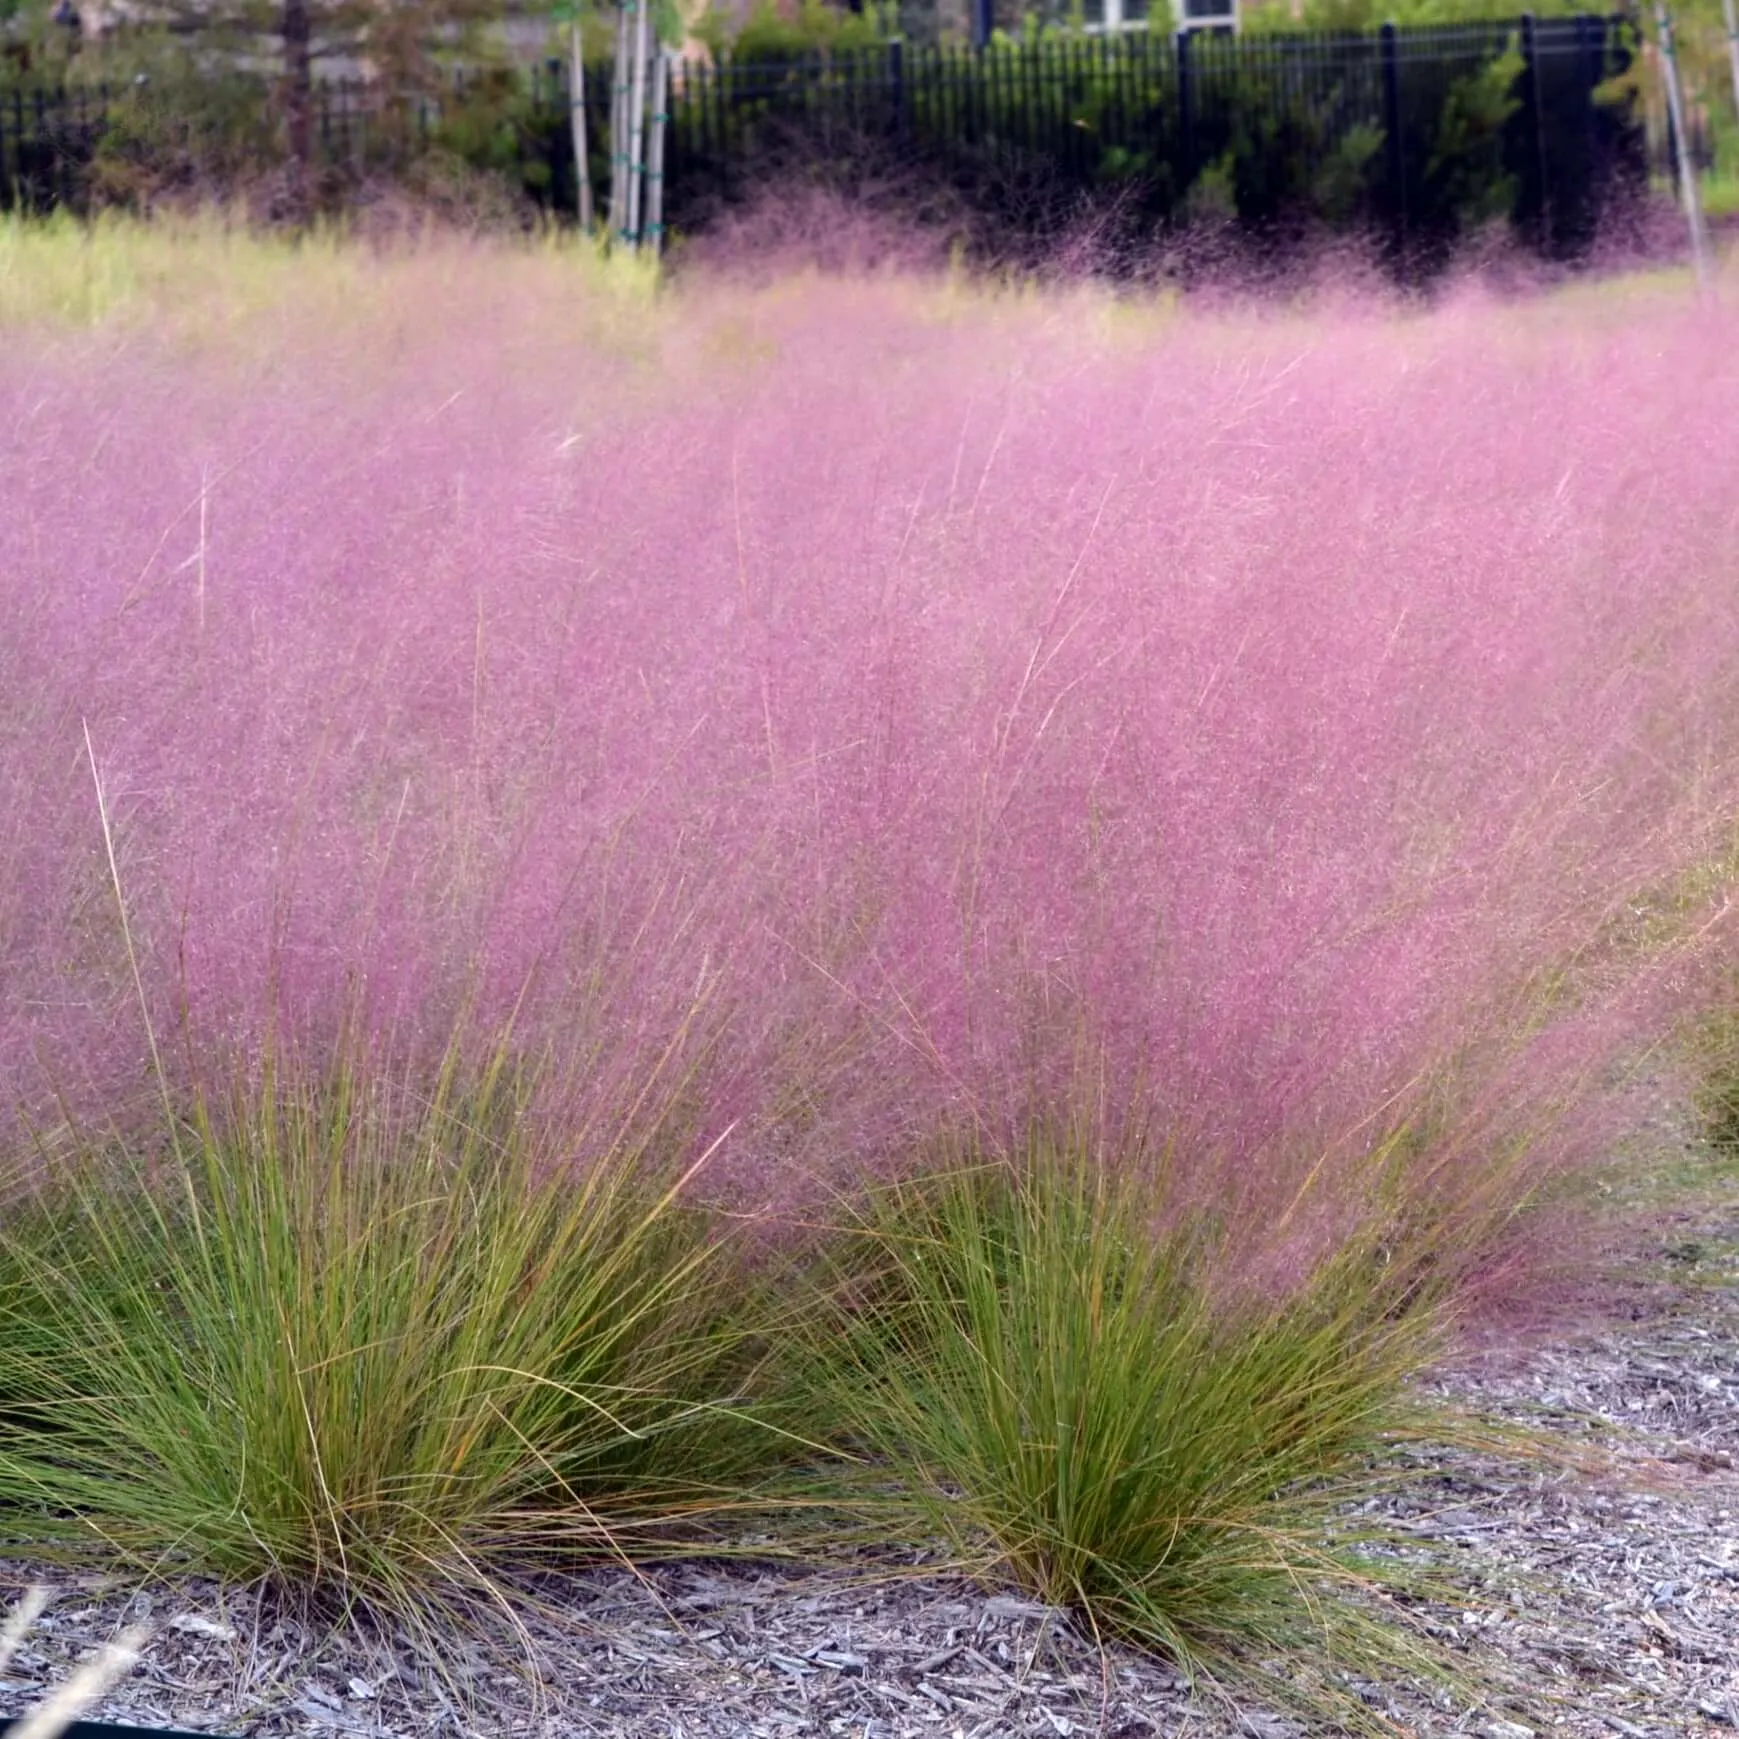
(1417, 132)
(47, 138)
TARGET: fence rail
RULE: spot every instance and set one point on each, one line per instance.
(1415, 130)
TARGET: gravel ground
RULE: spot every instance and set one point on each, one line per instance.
(1607, 1582)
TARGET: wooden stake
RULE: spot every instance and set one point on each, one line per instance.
(637, 119)
(619, 130)
(1732, 22)
(1688, 189)
(655, 152)
(577, 120)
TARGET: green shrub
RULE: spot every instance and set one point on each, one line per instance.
(178, 130)
(1465, 177)
(771, 37)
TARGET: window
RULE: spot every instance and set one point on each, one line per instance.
(1206, 14)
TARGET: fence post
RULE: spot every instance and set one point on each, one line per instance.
(1186, 112)
(1397, 150)
(1536, 110)
(1591, 62)
(51, 185)
(84, 129)
(1590, 181)
(897, 84)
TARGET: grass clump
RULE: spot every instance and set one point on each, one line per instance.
(380, 1344)
(1041, 1372)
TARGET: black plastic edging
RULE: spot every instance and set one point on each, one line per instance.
(104, 1730)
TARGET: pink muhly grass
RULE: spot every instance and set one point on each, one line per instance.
(912, 698)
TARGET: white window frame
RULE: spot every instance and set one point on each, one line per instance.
(1219, 20)
(1113, 19)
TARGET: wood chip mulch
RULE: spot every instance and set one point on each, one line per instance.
(1611, 1590)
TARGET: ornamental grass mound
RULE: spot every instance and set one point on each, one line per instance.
(376, 1337)
(791, 726)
